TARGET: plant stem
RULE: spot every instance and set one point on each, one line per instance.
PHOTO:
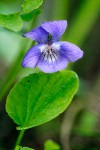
(14, 70)
(20, 136)
(16, 67)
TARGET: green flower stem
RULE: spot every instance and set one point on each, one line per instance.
(16, 67)
(14, 70)
(20, 136)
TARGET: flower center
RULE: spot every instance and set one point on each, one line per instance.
(50, 52)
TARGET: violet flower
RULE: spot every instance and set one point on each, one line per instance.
(50, 55)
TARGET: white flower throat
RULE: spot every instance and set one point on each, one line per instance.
(50, 52)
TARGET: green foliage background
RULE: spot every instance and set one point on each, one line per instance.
(79, 127)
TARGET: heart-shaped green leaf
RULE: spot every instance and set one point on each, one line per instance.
(38, 98)
(51, 145)
(12, 22)
(29, 16)
(30, 5)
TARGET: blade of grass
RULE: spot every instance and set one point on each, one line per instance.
(83, 21)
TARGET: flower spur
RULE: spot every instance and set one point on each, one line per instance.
(49, 54)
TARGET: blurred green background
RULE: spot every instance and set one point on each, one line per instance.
(78, 128)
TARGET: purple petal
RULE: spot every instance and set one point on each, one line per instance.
(31, 58)
(37, 34)
(59, 64)
(71, 51)
(55, 28)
